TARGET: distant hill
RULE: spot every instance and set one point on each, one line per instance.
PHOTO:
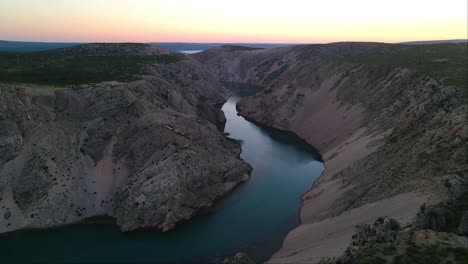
(83, 64)
(435, 41)
(20, 46)
(175, 46)
(109, 49)
(33, 46)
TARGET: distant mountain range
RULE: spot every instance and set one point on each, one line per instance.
(175, 46)
(172, 46)
(32, 46)
(21, 46)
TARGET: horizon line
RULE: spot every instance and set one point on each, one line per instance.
(243, 42)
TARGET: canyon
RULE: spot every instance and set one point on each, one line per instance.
(135, 132)
(388, 120)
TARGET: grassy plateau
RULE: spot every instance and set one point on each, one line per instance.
(73, 68)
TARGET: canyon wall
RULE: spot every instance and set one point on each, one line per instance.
(390, 136)
(148, 152)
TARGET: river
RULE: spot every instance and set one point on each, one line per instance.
(254, 218)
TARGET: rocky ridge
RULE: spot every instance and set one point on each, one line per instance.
(148, 152)
(109, 49)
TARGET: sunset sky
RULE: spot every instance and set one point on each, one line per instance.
(261, 21)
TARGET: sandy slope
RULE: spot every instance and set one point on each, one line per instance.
(322, 234)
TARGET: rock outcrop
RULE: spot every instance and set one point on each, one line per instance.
(377, 243)
(379, 232)
(239, 258)
(463, 227)
(449, 215)
(389, 124)
(148, 152)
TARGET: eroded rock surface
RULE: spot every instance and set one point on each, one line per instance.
(147, 152)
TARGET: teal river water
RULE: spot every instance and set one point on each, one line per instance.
(254, 218)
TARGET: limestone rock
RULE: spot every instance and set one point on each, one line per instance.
(239, 258)
(434, 218)
(463, 227)
(382, 231)
(457, 186)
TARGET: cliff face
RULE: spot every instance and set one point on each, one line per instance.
(262, 66)
(147, 152)
(390, 136)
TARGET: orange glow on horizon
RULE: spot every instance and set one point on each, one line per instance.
(261, 21)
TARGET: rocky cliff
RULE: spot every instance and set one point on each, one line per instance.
(145, 149)
(388, 120)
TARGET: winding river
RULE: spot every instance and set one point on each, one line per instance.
(253, 219)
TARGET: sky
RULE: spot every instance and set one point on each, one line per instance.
(254, 21)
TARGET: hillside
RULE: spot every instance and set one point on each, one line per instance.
(24, 46)
(111, 145)
(83, 64)
(388, 120)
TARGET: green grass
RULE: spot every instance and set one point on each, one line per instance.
(448, 62)
(49, 68)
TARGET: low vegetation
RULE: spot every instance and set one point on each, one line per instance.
(59, 68)
(404, 246)
(447, 61)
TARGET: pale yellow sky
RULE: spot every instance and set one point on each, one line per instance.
(284, 21)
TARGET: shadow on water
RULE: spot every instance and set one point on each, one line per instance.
(254, 218)
(289, 138)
